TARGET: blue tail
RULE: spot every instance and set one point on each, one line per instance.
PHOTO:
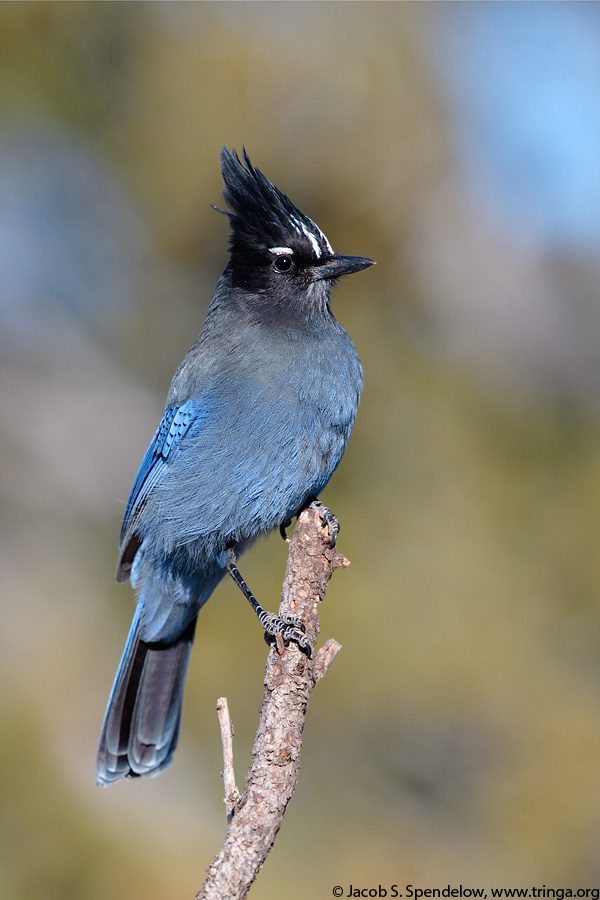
(141, 724)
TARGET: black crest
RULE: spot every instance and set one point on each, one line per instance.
(261, 215)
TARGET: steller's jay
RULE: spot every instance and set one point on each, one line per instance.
(257, 419)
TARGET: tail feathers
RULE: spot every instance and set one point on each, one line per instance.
(141, 724)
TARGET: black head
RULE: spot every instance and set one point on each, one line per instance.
(275, 248)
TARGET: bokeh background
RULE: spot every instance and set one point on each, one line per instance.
(457, 737)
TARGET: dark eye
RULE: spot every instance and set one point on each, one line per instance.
(283, 264)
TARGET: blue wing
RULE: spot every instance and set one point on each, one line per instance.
(165, 445)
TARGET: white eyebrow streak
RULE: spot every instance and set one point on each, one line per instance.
(279, 250)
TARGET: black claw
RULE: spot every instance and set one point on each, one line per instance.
(328, 519)
(293, 622)
(282, 528)
(286, 628)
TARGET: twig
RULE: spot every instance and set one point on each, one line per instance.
(231, 792)
(289, 679)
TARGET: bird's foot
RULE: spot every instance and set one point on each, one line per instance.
(283, 629)
(328, 519)
(282, 529)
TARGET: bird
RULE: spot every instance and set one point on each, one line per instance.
(257, 418)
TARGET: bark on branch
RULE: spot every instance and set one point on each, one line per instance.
(289, 679)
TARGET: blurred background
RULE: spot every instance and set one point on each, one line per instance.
(457, 737)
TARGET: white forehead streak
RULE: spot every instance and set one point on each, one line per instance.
(314, 242)
(325, 241)
(279, 250)
(301, 228)
(327, 244)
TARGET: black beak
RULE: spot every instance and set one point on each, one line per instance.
(334, 266)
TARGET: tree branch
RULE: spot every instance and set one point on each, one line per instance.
(226, 725)
(289, 679)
